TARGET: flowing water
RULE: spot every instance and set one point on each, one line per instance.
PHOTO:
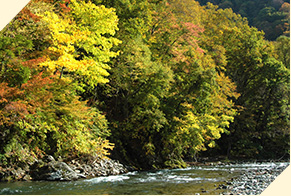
(192, 180)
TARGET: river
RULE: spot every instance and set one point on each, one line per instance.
(189, 181)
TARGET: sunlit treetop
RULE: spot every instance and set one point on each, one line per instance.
(81, 42)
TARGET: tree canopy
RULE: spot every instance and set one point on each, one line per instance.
(273, 17)
(151, 83)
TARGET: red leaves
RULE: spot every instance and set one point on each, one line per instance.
(16, 103)
(64, 8)
(26, 14)
(37, 91)
(33, 62)
(193, 29)
(10, 105)
(37, 82)
(17, 107)
(175, 36)
(8, 93)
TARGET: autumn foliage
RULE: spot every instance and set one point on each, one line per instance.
(160, 81)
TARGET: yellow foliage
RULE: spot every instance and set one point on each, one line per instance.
(67, 36)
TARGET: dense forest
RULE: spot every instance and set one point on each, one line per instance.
(271, 16)
(148, 82)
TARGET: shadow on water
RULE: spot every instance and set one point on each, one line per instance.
(192, 180)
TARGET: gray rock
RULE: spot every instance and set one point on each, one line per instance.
(49, 169)
(62, 169)
(82, 176)
(48, 158)
(52, 170)
(27, 178)
(254, 182)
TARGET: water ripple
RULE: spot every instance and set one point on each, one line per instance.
(108, 179)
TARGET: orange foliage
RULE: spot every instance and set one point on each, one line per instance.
(64, 7)
(33, 63)
(16, 103)
(26, 14)
(9, 104)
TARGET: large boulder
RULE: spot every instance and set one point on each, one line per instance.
(52, 170)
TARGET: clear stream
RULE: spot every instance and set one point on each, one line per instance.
(191, 180)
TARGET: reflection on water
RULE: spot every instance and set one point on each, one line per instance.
(192, 180)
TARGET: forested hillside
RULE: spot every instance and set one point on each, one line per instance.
(271, 16)
(150, 83)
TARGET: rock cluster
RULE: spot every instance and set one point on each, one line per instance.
(102, 167)
(50, 169)
(252, 182)
(12, 173)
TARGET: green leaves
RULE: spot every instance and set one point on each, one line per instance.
(247, 60)
(168, 79)
(39, 113)
(282, 48)
(270, 16)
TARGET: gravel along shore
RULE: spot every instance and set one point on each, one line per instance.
(254, 181)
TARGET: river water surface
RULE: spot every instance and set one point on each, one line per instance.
(191, 180)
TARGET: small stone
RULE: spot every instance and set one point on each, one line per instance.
(82, 176)
(27, 178)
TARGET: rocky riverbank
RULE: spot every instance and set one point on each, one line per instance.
(252, 182)
(50, 169)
